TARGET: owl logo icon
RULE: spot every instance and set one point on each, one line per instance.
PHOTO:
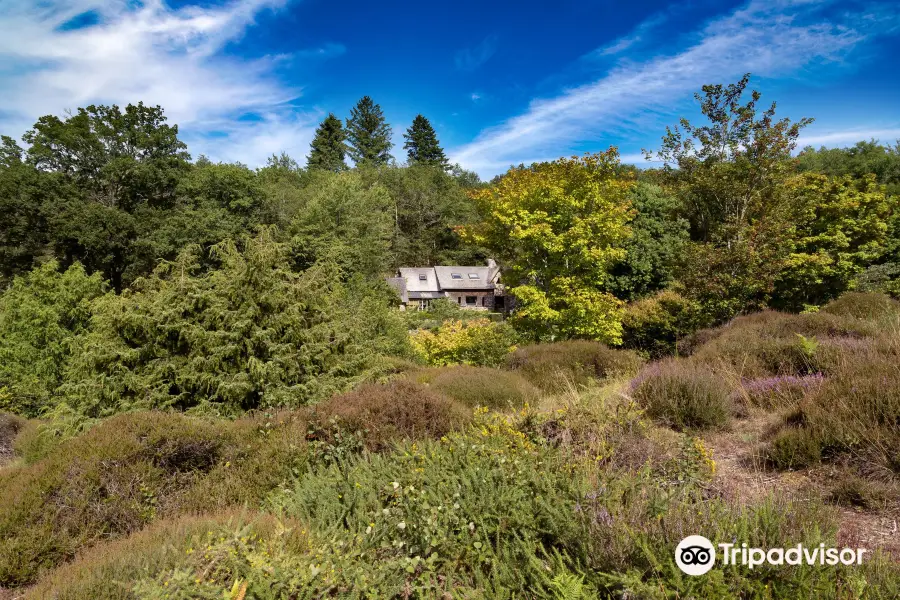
(695, 555)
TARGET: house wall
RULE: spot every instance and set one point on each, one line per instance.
(484, 300)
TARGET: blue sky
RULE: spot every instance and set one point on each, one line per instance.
(502, 82)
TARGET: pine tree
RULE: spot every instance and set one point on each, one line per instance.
(368, 134)
(422, 144)
(327, 148)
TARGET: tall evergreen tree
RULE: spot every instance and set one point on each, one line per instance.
(327, 148)
(368, 134)
(422, 145)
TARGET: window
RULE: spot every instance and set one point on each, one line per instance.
(471, 300)
(423, 277)
(455, 275)
(473, 275)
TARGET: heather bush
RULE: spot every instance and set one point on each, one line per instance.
(855, 411)
(480, 386)
(479, 342)
(769, 344)
(554, 366)
(779, 391)
(124, 473)
(111, 570)
(683, 395)
(393, 411)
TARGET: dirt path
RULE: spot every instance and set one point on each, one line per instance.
(742, 478)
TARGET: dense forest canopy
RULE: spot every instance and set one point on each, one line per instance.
(137, 261)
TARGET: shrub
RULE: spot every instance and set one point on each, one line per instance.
(490, 512)
(122, 474)
(478, 342)
(780, 391)
(40, 315)
(10, 426)
(249, 334)
(870, 306)
(480, 386)
(553, 366)
(794, 448)
(395, 410)
(111, 570)
(769, 343)
(682, 395)
(654, 325)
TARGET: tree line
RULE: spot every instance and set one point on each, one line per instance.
(366, 140)
(135, 276)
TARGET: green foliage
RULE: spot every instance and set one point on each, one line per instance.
(40, 315)
(422, 145)
(658, 237)
(732, 180)
(368, 134)
(555, 366)
(840, 227)
(558, 228)
(470, 512)
(120, 159)
(865, 158)
(327, 149)
(868, 306)
(346, 221)
(427, 205)
(23, 222)
(683, 395)
(654, 325)
(247, 334)
(477, 342)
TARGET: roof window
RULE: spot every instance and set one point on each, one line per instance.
(423, 277)
(473, 275)
(455, 275)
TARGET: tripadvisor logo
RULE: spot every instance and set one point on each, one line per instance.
(696, 555)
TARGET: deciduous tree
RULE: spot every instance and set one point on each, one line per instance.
(558, 228)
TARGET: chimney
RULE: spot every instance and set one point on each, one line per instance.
(491, 263)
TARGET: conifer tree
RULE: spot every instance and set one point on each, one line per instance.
(368, 134)
(422, 145)
(327, 148)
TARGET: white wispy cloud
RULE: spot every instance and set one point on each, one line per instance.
(769, 38)
(149, 52)
(469, 59)
(845, 137)
(627, 41)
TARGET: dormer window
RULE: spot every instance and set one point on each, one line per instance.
(473, 275)
(423, 277)
(455, 275)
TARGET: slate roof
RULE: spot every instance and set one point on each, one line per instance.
(483, 280)
(415, 284)
(433, 282)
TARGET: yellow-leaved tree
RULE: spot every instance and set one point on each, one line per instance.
(557, 228)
